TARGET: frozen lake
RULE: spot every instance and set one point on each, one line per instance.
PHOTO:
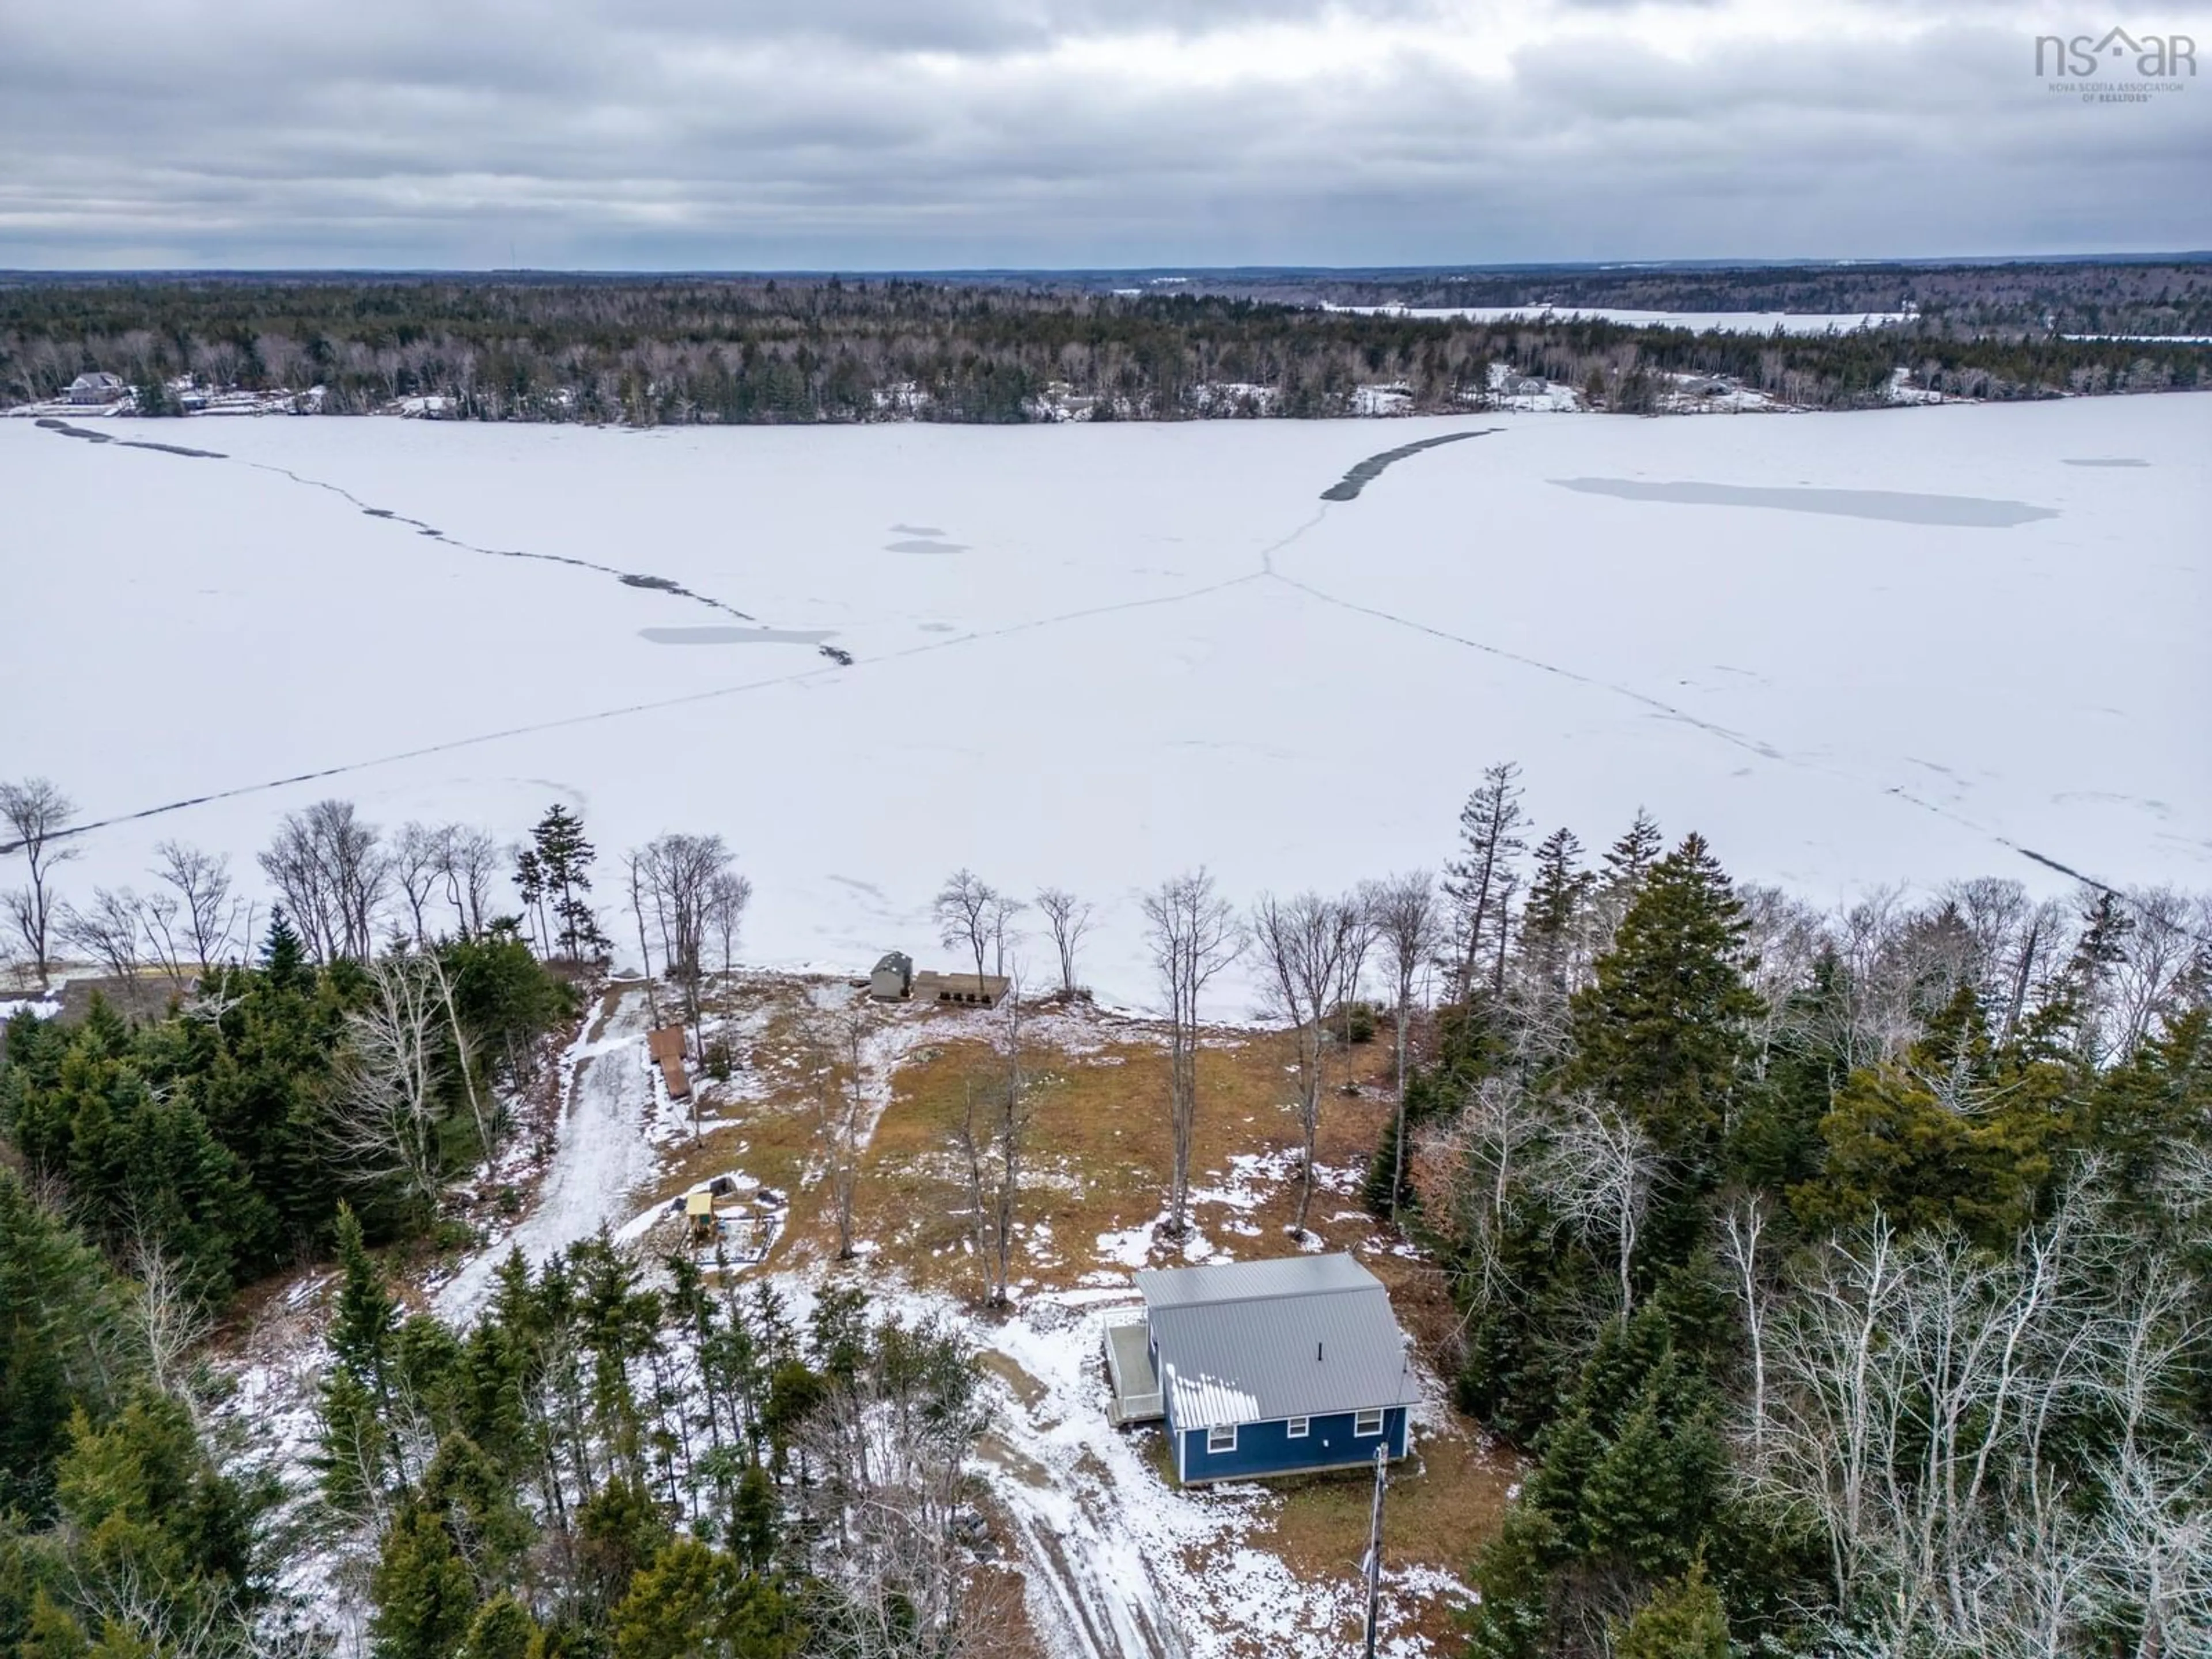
(1852, 649)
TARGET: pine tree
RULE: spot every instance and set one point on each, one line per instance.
(361, 1333)
(530, 884)
(563, 860)
(283, 957)
(1555, 899)
(1682, 1621)
(1662, 1033)
(502, 1629)
(1629, 859)
(1630, 1506)
(1490, 827)
(426, 1600)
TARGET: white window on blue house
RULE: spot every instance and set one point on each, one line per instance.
(1298, 1427)
(1367, 1422)
(1222, 1438)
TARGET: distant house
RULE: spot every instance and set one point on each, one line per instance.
(98, 387)
(1265, 1368)
(892, 980)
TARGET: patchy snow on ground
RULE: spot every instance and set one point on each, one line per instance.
(603, 1156)
(1120, 1565)
(1096, 655)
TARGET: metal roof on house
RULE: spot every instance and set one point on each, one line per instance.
(1243, 1281)
(1302, 1336)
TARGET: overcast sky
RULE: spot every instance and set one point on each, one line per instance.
(873, 134)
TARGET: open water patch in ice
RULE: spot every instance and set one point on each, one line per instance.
(930, 544)
(734, 636)
(1349, 486)
(1893, 507)
(90, 436)
(2104, 460)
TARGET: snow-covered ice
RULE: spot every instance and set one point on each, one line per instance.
(1130, 649)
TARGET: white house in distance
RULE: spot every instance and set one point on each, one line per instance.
(98, 387)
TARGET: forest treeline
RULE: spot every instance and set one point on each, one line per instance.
(2023, 298)
(658, 351)
(1845, 1273)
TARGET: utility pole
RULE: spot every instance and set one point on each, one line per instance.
(1374, 1562)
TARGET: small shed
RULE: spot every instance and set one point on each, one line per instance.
(892, 978)
(664, 1044)
(1265, 1367)
(98, 387)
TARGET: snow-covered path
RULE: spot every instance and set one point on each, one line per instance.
(602, 1155)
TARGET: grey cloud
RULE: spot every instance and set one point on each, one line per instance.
(860, 133)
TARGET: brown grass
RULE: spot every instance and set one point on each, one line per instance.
(1098, 1153)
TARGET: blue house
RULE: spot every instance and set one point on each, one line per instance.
(1263, 1368)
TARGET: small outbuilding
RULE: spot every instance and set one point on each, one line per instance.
(1265, 1368)
(892, 978)
(98, 387)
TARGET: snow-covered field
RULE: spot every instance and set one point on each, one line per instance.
(1852, 649)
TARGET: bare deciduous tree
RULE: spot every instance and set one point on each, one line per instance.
(1741, 1225)
(1303, 945)
(385, 1118)
(1193, 934)
(212, 919)
(107, 931)
(1403, 911)
(469, 862)
(838, 1044)
(1599, 1171)
(1924, 1393)
(38, 815)
(728, 893)
(332, 874)
(1469, 1173)
(890, 1446)
(418, 852)
(963, 907)
(1069, 918)
(998, 920)
(678, 877)
(994, 1135)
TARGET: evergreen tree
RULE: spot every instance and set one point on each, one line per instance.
(1663, 1032)
(564, 863)
(529, 883)
(1629, 858)
(61, 1344)
(1683, 1619)
(426, 1600)
(283, 957)
(1476, 881)
(502, 1629)
(1556, 897)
